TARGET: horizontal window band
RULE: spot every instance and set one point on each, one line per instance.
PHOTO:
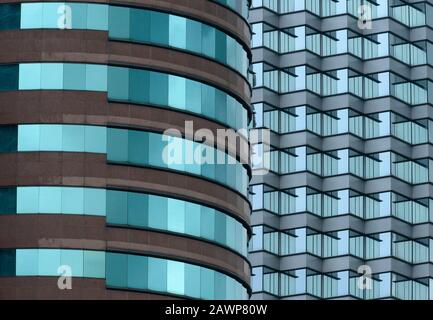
(130, 147)
(124, 271)
(129, 209)
(132, 85)
(129, 24)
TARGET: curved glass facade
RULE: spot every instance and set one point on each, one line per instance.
(149, 149)
(134, 25)
(129, 85)
(134, 147)
(175, 277)
(132, 209)
(163, 213)
(124, 271)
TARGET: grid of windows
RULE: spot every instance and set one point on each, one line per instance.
(341, 42)
(132, 24)
(344, 88)
(339, 284)
(328, 83)
(341, 243)
(341, 202)
(340, 121)
(409, 14)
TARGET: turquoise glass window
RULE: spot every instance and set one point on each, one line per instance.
(124, 271)
(129, 85)
(170, 154)
(128, 24)
(168, 276)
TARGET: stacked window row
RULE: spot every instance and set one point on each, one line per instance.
(410, 14)
(341, 81)
(124, 271)
(338, 284)
(341, 243)
(341, 121)
(129, 85)
(132, 209)
(348, 161)
(341, 42)
(129, 24)
(133, 147)
(341, 202)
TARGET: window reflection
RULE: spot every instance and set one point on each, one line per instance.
(341, 202)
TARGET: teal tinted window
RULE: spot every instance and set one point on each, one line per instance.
(47, 262)
(93, 264)
(27, 262)
(73, 259)
(123, 271)
(157, 274)
(129, 146)
(116, 267)
(136, 272)
(157, 212)
(8, 200)
(8, 138)
(7, 262)
(9, 77)
(10, 16)
(168, 276)
(117, 205)
(129, 24)
(67, 138)
(129, 85)
(159, 32)
(57, 200)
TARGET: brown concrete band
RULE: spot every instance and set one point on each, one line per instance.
(92, 170)
(86, 46)
(91, 233)
(45, 288)
(92, 108)
(203, 10)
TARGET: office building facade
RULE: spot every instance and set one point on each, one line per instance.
(346, 88)
(87, 89)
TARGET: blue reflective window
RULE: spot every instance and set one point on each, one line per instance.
(74, 260)
(94, 264)
(50, 200)
(48, 261)
(157, 276)
(176, 277)
(95, 202)
(72, 200)
(27, 262)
